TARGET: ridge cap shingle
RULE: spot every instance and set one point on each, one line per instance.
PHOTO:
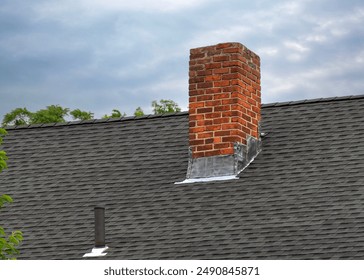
(69, 123)
(315, 100)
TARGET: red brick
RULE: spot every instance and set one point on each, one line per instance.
(221, 71)
(196, 105)
(198, 154)
(196, 117)
(197, 129)
(204, 97)
(192, 111)
(197, 55)
(221, 120)
(227, 151)
(221, 96)
(213, 65)
(213, 90)
(196, 67)
(204, 85)
(214, 127)
(255, 134)
(212, 103)
(247, 118)
(212, 153)
(204, 110)
(221, 83)
(192, 74)
(192, 99)
(227, 114)
(231, 50)
(251, 126)
(222, 133)
(223, 45)
(213, 115)
(196, 80)
(197, 92)
(238, 56)
(229, 101)
(204, 147)
(213, 78)
(203, 72)
(204, 122)
(219, 146)
(230, 139)
(197, 142)
(231, 76)
(222, 108)
(230, 126)
(221, 58)
(239, 83)
(231, 63)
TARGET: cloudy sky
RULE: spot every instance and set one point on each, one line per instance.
(98, 55)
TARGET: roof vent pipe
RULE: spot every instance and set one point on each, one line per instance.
(99, 227)
(100, 247)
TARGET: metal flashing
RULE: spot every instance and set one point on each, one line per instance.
(96, 252)
(224, 165)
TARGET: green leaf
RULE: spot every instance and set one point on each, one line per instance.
(6, 198)
(18, 116)
(18, 235)
(2, 231)
(13, 240)
(2, 242)
(2, 132)
(3, 164)
(77, 114)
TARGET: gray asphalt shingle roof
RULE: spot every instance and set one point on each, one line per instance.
(301, 198)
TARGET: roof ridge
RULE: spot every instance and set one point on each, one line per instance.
(127, 118)
(151, 116)
(315, 100)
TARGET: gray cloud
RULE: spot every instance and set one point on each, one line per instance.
(98, 56)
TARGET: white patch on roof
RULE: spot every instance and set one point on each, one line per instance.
(209, 179)
(96, 252)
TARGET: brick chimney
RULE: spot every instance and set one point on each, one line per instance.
(224, 110)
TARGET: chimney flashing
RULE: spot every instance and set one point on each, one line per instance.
(224, 165)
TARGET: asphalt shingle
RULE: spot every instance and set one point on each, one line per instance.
(301, 198)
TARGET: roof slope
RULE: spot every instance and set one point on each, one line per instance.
(302, 197)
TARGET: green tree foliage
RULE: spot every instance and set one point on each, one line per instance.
(18, 116)
(115, 114)
(77, 114)
(3, 157)
(8, 242)
(52, 114)
(139, 112)
(57, 114)
(165, 106)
